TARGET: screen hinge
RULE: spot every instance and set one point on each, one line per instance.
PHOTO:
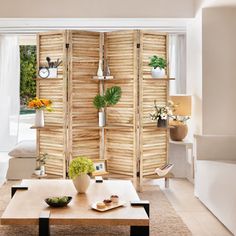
(67, 45)
(138, 45)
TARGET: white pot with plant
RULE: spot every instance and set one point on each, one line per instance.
(79, 170)
(158, 65)
(110, 98)
(40, 164)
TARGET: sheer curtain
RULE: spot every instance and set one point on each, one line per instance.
(9, 91)
(177, 63)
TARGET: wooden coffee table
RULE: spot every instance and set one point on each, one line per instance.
(27, 206)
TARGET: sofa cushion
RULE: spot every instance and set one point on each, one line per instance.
(26, 148)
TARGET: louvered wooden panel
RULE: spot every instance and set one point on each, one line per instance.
(52, 143)
(119, 151)
(152, 44)
(153, 140)
(154, 150)
(84, 58)
(86, 143)
(120, 145)
(53, 139)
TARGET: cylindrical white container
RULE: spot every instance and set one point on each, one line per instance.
(39, 118)
(101, 118)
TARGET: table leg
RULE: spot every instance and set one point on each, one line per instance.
(140, 230)
(44, 229)
(14, 188)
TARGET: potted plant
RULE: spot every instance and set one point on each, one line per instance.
(158, 65)
(40, 164)
(161, 114)
(110, 98)
(40, 104)
(79, 169)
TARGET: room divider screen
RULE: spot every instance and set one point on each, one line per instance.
(132, 145)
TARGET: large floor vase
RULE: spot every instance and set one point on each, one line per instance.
(81, 183)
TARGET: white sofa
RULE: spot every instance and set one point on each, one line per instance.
(215, 176)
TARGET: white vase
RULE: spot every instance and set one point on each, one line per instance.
(158, 73)
(81, 183)
(42, 168)
(100, 72)
(39, 118)
(101, 118)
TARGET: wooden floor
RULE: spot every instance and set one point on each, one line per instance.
(195, 215)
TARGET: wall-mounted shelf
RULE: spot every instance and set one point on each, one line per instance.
(46, 127)
(158, 79)
(103, 77)
(41, 79)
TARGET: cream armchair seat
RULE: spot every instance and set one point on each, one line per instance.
(215, 176)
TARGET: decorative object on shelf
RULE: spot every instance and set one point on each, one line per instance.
(43, 72)
(100, 71)
(100, 167)
(107, 71)
(164, 170)
(161, 114)
(39, 104)
(49, 71)
(58, 201)
(180, 115)
(110, 98)
(79, 169)
(40, 162)
(158, 65)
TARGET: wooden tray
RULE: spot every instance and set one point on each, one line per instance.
(113, 206)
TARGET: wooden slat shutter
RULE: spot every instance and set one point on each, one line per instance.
(53, 138)
(153, 140)
(84, 134)
(120, 135)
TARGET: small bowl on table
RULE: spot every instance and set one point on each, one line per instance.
(58, 201)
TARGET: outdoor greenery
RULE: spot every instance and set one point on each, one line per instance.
(27, 73)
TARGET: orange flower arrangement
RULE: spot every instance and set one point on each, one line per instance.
(40, 103)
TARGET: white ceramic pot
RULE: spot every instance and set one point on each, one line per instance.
(52, 73)
(158, 73)
(37, 172)
(39, 118)
(81, 183)
(101, 118)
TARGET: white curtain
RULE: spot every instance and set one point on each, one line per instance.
(177, 63)
(9, 91)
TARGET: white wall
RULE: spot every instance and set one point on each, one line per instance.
(194, 73)
(96, 8)
(219, 70)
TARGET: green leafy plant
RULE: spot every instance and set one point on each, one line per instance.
(80, 165)
(27, 72)
(156, 61)
(99, 101)
(111, 97)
